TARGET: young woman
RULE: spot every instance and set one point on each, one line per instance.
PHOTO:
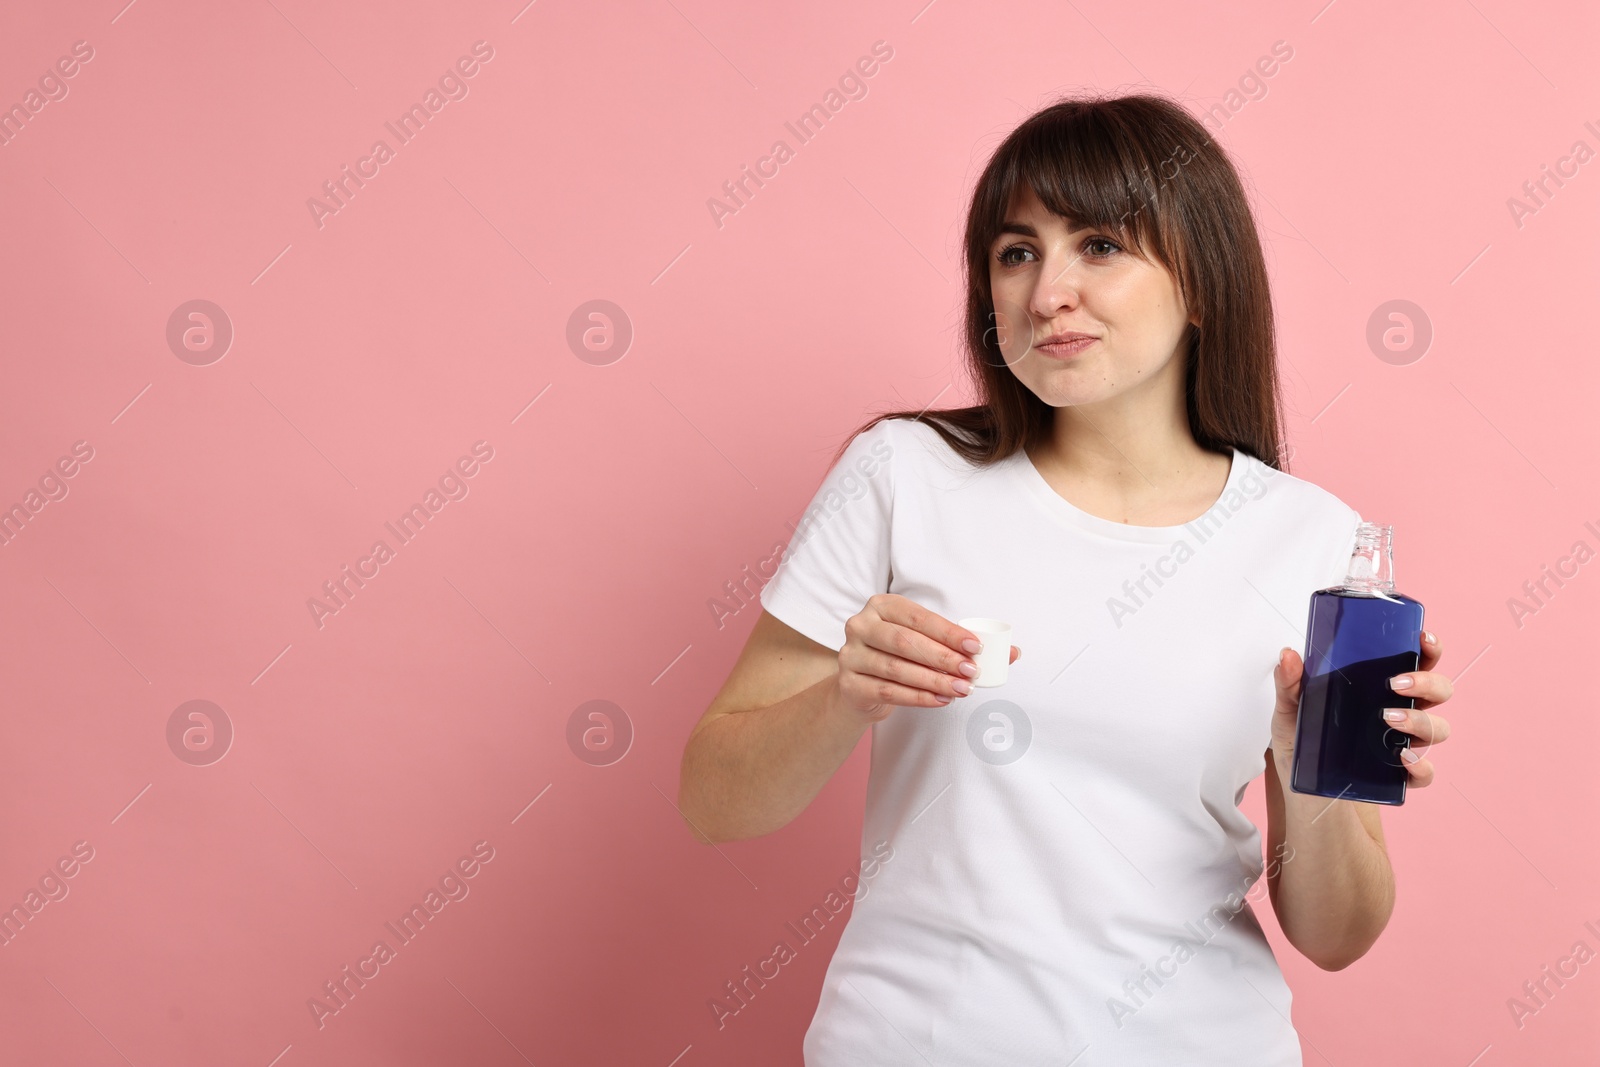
(1056, 870)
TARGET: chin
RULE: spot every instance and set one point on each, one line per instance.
(1061, 393)
(1073, 402)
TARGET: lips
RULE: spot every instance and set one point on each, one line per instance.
(1064, 345)
(1065, 338)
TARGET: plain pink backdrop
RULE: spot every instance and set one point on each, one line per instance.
(372, 350)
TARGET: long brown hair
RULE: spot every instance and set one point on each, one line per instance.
(1142, 168)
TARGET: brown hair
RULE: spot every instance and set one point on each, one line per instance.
(1142, 168)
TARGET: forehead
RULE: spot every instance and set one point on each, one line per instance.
(1027, 216)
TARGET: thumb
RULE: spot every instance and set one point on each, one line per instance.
(1286, 675)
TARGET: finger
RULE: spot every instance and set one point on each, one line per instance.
(1429, 687)
(1286, 676)
(1421, 771)
(1015, 652)
(910, 631)
(960, 642)
(1428, 728)
(1431, 651)
(908, 675)
(893, 694)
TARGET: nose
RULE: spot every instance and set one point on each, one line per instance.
(1057, 286)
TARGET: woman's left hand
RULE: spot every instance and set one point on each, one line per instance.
(1427, 686)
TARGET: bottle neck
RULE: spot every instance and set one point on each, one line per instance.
(1372, 561)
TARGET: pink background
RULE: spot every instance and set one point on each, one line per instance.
(374, 751)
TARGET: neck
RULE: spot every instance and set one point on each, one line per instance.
(1139, 440)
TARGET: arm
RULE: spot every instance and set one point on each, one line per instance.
(770, 740)
(792, 711)
(1335, 892)
(1336, 896)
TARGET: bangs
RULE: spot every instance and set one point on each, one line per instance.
(1091, 173)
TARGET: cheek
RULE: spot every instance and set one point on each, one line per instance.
(1148, 321)
(1012, 324)
(1147, 351)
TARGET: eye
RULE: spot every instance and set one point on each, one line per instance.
(1094, 248)
(1004, 257)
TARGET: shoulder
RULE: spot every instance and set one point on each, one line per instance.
(869, 450)
(901, 444)
(918, 445)
(926, 465)
(1302, 509)
(1298, 494)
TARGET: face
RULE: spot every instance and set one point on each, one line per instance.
(1047, 279)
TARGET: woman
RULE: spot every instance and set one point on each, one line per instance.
(1059, 866)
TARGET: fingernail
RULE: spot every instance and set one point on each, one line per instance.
(968, 669)
(1394, 714)
(1409, 756)
(972, 646)
(1427, 635)
(962, 686)
(1402, 681)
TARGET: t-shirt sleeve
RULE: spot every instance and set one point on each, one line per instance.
(1344, 539)
(840, 553)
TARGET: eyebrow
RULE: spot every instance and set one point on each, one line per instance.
(1024, 230)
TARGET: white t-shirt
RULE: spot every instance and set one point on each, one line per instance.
(1058, 867)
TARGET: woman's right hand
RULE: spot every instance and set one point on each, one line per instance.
(897, 653)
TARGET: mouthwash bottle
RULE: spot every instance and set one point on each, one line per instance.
(1358, 636)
